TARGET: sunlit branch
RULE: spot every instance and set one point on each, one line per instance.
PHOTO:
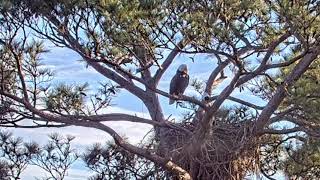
(283, 131)
(34, 126)
(116, 117)
(225, 93)
(180, 97)
(280, 93)
(214, 74)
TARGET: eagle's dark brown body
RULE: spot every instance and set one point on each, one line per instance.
(179, 82)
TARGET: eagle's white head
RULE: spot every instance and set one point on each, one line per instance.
(205, 96)
(183, 68)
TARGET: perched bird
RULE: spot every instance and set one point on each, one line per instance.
(205, 96)
(179, 82)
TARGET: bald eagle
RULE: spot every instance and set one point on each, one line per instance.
(179, 82)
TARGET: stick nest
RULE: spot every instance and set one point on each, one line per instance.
(227, 153)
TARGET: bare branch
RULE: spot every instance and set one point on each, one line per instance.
(35, 126)
(117, 117)
(263, 66)
(181, 97)
(74, 44)
(225, 93)
(287, 63)
(98, 125)
(207, 119)
(167, 62)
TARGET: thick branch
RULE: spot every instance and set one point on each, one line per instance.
(214, 74)
(207, 120)
(122, 117)
(34, 126)
(74, 44)
(98, 125)
(273, 46)
(280, 93)
(181, 97)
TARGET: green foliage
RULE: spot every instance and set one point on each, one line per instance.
(113, 162)
(56, 156)
(114, 27)
(14, 155)
(303, 162)
(8, 72)
(66, 99)
(303, 15)
(116, 35)
(305, 93)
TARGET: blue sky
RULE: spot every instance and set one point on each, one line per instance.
(68, 69)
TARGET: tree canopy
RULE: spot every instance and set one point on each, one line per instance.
(260, 48)
(303, 159)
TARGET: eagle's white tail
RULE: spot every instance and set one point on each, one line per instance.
(171, 101)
